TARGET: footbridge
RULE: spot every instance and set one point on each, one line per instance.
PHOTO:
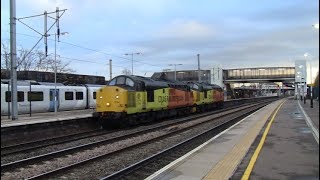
(259, 75)
(263, 81)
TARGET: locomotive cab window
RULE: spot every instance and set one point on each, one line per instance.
(94, 95)
(195, 86)
(129, 82)
(140, 86)
(121, 80)
(113, 82)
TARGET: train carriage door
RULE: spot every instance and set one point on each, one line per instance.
(52, 99)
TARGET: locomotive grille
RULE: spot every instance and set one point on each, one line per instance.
(131, 99)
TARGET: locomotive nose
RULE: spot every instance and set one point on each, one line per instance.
(111, 99)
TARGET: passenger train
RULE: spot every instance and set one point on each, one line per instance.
(41, 98)
(128, 100)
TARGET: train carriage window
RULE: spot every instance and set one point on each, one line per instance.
(20, 96)
(68, 95)
(94, 95)
(50, 96)
(205, 94)
(79, 95)
(35, 96)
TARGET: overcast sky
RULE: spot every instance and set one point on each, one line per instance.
(233, 34)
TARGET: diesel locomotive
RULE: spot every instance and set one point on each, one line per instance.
(130, 100)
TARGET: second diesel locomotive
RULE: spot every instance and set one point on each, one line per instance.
(129, 100)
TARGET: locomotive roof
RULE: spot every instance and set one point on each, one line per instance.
(212, 86)
(148, 82)
(205, 86)
(172, 83)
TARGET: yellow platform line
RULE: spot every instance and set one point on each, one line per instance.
(254, 158)
(225, 167)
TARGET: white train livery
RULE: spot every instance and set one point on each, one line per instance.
(41, 98)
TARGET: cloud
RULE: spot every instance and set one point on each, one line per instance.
(40, 6)
(177, 37)
(185, 30)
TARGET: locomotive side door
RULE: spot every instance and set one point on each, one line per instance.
(51, 96)
(143, 99)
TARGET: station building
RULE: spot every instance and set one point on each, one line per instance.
(243, 82)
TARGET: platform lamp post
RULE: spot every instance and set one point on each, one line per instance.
(55, 70)
(299, 86)
(175, 70)
(315, 26)
(303, 90)
(132, 59)
(303, 79)
(311, 81)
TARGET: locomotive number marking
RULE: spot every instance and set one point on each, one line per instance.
(176, 98)
(162, 99)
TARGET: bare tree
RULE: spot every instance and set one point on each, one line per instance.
(61, 66)
(35, 60)
(5, 62)
(126, 71)
(40, 61)
(25, 60)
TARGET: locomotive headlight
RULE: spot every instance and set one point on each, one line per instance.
(100, 97)
(108, 104)
(117, 97)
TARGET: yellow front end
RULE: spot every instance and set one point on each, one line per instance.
(111, 99)
(209, 98)
(198, 97)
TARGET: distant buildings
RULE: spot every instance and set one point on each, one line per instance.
(61, 77)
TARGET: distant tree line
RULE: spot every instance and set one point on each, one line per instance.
(33, 61)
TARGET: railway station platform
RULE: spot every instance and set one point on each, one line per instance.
(26, 119)
(279, 141)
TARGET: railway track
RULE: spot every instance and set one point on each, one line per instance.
(43, 143)
(147, 166)
(28, 146)
(148, 135)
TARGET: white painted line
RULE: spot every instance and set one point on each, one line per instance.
(314, 129)
(157, 174)
(35, 121)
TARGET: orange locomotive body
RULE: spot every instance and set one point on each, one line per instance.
(180, 98)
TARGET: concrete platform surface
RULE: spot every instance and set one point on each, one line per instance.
(290, 150)
(45, 117)
(219, 157)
